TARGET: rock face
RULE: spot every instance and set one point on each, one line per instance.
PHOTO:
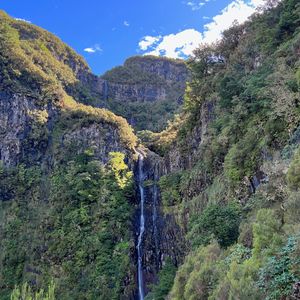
(22, 137)
(26, 132)
(181, 157)
(145, 79)
(163, 237)
(131, 92)
(40, 124)
(102, 138)
(146, 90)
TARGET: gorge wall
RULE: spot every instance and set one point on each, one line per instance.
(146, 90)
(221, 181)
(64, 160)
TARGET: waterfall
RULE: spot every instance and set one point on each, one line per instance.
(142, 227)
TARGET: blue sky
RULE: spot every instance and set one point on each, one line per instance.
(107, 32)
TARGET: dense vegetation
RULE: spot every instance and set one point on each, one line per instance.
(65, 214)
(73, 224)
(65, 220)
(238, 200)
(152, 116)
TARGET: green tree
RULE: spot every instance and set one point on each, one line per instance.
(25, 292)
(216, 221)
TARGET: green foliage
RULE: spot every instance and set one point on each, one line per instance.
(152, 116)
(161, 142)
(278, 275)
(298, 77)
(29, 61)
(241, 110)
(196, 278)
(92, 200)
(242, 158)
(216, 221)
(120, 169)
(165, 282)
(293, 175)
(74, 225)
(36, 64)
(292, 204)
(150, 73)
(133, 71)
(238, 282)
(25, 292)
(266, 233)
(170, 189)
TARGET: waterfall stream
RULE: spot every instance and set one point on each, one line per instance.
(142, 227)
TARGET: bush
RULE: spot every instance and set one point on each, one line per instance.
(25, 292)
(170, 189)
(277, 277)
(266, 233)
(196, 278)
(293, 174)
(216, 221)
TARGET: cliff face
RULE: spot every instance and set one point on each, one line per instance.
(163, 239)
(221, 200)
(123, 92)
(27, 130)
(145, 78)
(146, 90)
(25, 126)
(69, 160)
(229, 171)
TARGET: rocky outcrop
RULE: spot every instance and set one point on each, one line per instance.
(101, 138)
(143, 79)
(27, 127)
(184, 156)
(133, 92)
(24, 127)
(163, 237)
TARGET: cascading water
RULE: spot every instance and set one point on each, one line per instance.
(142, 227)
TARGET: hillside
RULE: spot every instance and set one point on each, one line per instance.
(206, 208)
(232, 160)
(63, 176)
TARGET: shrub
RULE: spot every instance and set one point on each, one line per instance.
(293, 174)
(276, 277)
(218, 221)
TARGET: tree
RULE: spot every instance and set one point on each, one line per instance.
(25, 292)
(219, 221)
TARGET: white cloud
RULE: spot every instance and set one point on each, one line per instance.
(148, 41)
(126, 23)
(237, 10)
(24, 20)
(95, 48)
(195, 5)
(184, 42)
(175, 45)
